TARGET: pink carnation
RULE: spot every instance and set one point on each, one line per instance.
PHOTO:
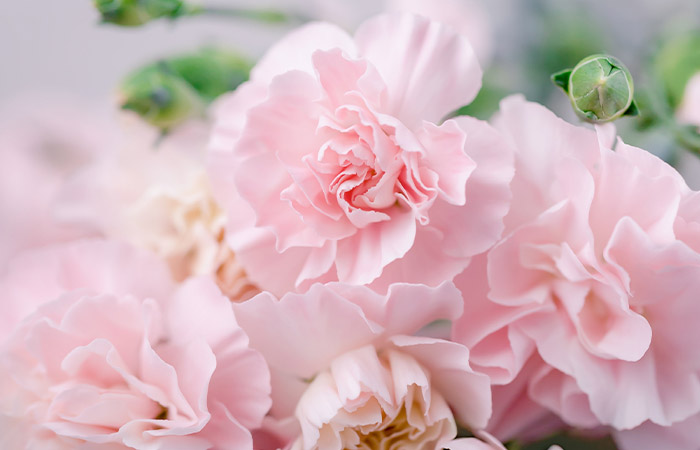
(331, 166)
(596, 274)
(348, 374)
(116, 356)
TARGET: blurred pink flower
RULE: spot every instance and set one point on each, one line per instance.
(330, 165)
(596, 274)
(348, 374)
(155, 194)
(115, 356)
(42, 141)
(689, 109)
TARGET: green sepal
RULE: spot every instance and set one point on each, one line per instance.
(633, 109)
(590, 116)
(561, 79)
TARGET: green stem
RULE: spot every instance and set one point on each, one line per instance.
(260, 15)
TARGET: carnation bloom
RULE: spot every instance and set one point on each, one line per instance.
(689, 109)
(331, 166)
(116, 356)
(348, 374)
(598, 274)
(155, 193)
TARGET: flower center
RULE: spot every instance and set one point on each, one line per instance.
(389, 436)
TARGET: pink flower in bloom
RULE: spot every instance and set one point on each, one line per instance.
(689, 109)
(331, 166)
(348, 374)
(598, 274)
(116, 356)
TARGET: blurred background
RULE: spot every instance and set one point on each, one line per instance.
(59, 46)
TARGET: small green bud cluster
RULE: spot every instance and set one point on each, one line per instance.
(133, 13)
(600, 88)
(174, 90)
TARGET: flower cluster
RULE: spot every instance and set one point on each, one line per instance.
(337, 262)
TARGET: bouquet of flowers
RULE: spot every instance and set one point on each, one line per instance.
(338, 246)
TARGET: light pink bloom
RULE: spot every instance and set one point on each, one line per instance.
(348, 374)
(689, 109)
(596, 274)
(42, 141)
(155, 194)
(116, 356)
(331, 166)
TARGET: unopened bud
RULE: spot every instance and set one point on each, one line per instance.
(132, 13)
(173, 90)
(211, 71)
(160, 97)
(600, 88)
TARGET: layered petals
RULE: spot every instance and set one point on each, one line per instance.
(345, 364)
(117, 356)
(591, 277)
(355, 165)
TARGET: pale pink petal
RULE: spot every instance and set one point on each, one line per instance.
(445, 154)
(468, 392)
(475, 226)
(395, 42)
(294, 51)
(427, 252)
(406, 308)
(496, 349)
(516, 415)
(469, 17)
(278, 328)
(357, 260)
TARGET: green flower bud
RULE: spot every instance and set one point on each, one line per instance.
(132, 13)
(212, 71)
(175, 89)
(600, 88)
(161, 97)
